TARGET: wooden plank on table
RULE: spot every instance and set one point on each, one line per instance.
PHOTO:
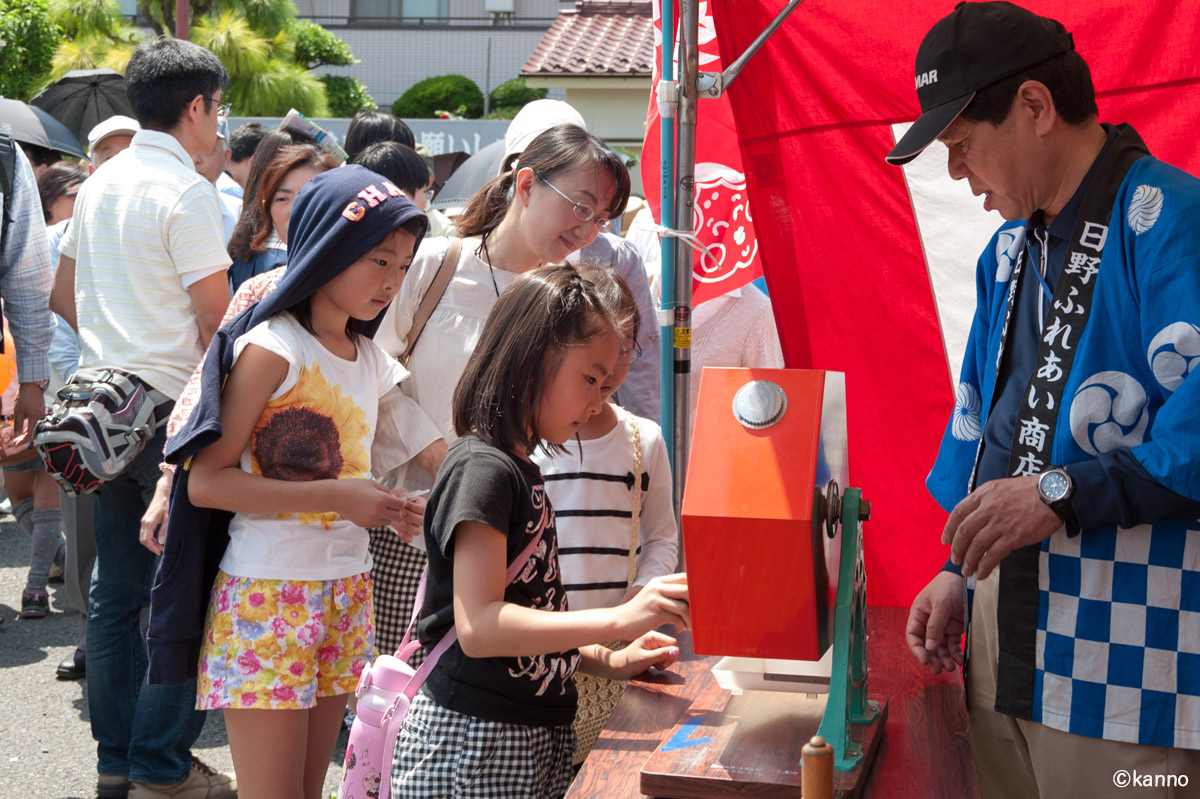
(748, 746)
(922, 754)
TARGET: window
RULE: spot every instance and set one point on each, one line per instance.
(415, 12)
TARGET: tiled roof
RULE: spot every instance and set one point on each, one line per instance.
(599, 37)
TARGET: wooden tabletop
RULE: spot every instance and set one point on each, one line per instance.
(924, 752)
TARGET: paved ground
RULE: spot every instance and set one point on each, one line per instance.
(46, 747)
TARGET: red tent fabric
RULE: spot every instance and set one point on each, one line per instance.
(849, 260)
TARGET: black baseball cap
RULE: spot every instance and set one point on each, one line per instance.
(977, 45)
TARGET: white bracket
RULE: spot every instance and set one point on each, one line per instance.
(667, 93)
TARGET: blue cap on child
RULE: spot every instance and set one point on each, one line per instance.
(336, 218)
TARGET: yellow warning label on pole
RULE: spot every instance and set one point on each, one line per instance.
(683, 338)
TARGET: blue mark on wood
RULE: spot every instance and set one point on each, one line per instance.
(680, 740)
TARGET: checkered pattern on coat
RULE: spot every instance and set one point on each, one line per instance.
(1118, 640)
(395, 573)
(442, 753)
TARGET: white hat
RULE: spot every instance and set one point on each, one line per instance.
(111, 127)
(534, 119)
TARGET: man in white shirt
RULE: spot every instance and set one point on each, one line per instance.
(142, 279)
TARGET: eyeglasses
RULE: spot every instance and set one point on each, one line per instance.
(583, 212)
(223, 107)
(429, 194)
(628, 355)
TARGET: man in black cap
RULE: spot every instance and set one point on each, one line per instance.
(1071, 463)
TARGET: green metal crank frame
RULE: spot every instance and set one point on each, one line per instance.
(847, 702)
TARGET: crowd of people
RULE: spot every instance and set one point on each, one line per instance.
(354, 396)
(349, 390)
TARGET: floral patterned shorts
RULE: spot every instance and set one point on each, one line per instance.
(280, 644)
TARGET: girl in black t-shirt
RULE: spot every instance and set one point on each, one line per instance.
(494, 718)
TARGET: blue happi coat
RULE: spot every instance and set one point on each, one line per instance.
(1118, 629)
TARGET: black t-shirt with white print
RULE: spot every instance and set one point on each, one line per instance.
(480, 483)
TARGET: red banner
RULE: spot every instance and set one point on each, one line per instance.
(871, 267)
(723, 220)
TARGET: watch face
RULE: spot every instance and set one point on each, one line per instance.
(1054, 485)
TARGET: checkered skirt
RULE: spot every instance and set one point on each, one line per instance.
(395, 573)
(442, 753)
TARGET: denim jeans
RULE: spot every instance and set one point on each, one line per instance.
(145, 731)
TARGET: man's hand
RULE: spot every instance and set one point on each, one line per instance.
(936, 623)
(154, 521)
(29, 407)
(997, 518)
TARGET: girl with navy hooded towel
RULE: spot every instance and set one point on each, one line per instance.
(285, 462)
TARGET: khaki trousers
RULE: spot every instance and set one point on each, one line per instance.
(1016, 759)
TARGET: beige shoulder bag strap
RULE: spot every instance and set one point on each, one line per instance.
(432, 297)
(635, 534)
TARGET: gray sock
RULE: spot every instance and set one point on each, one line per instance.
(47, 536)
(23, 510)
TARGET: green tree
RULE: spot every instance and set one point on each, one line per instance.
(269, 54)
(510, 97)
(28, 38)
(427, 98)
(347, 96)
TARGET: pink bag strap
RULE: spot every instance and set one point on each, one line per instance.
(415, 682)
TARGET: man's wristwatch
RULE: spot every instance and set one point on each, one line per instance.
(1057, 489)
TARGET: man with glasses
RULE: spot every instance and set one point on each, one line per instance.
(142, 279)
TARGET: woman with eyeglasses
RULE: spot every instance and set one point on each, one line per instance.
(566, 188)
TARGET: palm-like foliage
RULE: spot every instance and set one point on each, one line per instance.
(267, 52)
(233, 41)
(276, 88)
(90, 18)
(269, 17)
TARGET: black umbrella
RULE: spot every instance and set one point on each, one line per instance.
(470, 177)
(83, 98)
(30, 125)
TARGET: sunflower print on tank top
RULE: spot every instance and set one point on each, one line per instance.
(312, 432)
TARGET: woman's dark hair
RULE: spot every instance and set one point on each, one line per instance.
(302, 311)
(250, 222)
(40, 156)
(559, 149)
(62, 178)
(286, 159)
(539, 315)
(1066, 76)
(616, 298)
(399, 164)
(372, 127)
(166, 74)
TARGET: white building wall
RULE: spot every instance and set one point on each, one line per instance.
(393, 59)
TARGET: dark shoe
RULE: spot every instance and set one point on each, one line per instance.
(34, 604)
(73, 668)
(111, 786)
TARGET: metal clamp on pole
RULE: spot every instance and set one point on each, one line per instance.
(709, 85)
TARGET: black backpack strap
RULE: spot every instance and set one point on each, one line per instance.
(8, 171)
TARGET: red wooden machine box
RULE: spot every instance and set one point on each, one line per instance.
(768, 454)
